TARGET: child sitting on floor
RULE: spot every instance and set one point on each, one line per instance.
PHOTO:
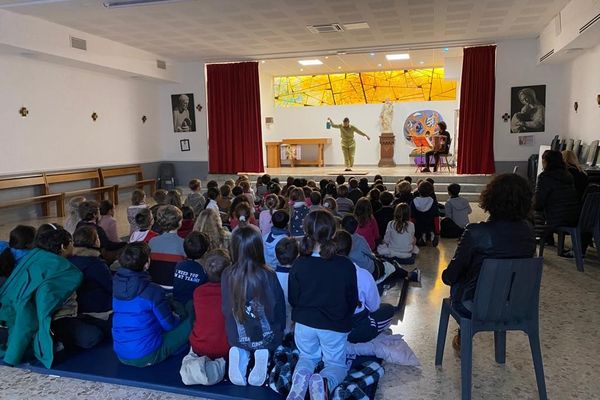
(253, 306)
(160, 197)
(224, 199)
(360, 253)
(90, 214)
(286, 252)
(345, 206)
(425, 215)
(265, 217)
(367, 225)
(208, 337)
(18, 246)
(195, 199)
(73, 213)
(144, 221)
(189, 273)
(187, 222)
(278, 232)
(145, 330)
(386, 213)
(457, 213)
(138, 203)
(399, 240)
(212, 196)
(107, 220)
(167, 248)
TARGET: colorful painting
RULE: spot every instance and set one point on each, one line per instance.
(421, 124)
(363, 88)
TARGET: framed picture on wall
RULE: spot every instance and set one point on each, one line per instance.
(184, 144)
(184, 119)
(528, 109)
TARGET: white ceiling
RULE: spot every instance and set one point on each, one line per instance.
(360, 62)
(222, 30)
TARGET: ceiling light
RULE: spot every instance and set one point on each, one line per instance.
(339, 67)
(379, 65)
(445, 49)
(310, 62)
(395, 57)
(421, 62)
(301, 69)
(372, 54)
(263, 61)
(133, 3)
(326, 57)
(356, 25)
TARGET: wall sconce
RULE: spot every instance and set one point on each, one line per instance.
(23, 111)
(505, 117)
(598, 100)
(576, 106)
(199, 107)
(94, 116)
(144, 119)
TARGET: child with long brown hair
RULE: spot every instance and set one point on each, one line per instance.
(399, 240)
(253, 306)
(367, 225)
(265, 217)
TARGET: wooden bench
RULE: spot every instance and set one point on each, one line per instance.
(134, 170)
(77, 176)
(45, 198)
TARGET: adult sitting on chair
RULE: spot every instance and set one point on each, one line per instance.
(506, 234)
(442, 148)
(556, 202)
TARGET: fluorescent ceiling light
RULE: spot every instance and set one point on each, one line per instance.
(395, 57)
(356, 25)
(310, 62)
(30, 3)
(132, 3)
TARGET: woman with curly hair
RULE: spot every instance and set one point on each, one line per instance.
(506, 234)
(209, 222)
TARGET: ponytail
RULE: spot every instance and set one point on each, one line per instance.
(319, 228)
(328, 249)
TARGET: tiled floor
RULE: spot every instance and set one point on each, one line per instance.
(569, 320)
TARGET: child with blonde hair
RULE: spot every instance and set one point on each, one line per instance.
(210, 223)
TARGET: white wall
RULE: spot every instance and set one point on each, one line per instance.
(516, 65)
(192, 81)
(59, 132)
(582, 80)
(309, 122)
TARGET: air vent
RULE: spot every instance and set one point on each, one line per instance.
(160, 64)
(548, 54)
(78, 43)
(327, 28)
(592, 22)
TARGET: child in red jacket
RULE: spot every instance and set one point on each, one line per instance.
(208, 337)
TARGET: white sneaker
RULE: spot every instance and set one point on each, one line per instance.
(258, 375)
(238, 365)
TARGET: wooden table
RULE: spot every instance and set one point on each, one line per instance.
(319, 142)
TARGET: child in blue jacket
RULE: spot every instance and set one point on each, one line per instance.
(145, 330)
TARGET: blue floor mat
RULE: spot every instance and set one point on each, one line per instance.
(101, 365)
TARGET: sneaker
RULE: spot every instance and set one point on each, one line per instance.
(299, 387)
(435, 241)
(317, 388)
(415, 275)
(426, 169)
(238, 365)
(259, 372)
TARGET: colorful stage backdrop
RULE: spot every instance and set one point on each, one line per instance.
(363, 88)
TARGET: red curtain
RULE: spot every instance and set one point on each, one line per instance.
(476, 130)
(234, 124)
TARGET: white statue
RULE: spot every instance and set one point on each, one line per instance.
(386, 116)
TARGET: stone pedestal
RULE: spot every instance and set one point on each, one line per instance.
(387, 140)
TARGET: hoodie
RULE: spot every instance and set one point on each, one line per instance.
(95, 293)
(458, 209)
(141, 315)
(424, 213)
(270, 241)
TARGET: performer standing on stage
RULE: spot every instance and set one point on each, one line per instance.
(348, 144)
(441, 145)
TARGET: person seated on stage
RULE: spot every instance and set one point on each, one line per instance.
(195, 199)
(374, 198)
(315, 200)
(189, 273)
(340, 180)
(399, 240)
(286, 252)
(370, 317)
(361, 253)
(354, 193)
(386, 213)
(457, 213)
(426, 216)
(367, 225)
(144, 221)
(345, 206)
(298, 211)
(403, 193)
(444, 148)
(187, 223)
(208, 336)
(145, 329)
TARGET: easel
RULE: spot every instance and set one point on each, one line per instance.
(420, 142)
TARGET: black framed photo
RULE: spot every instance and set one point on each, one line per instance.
(184, 118)
(528, 109)
(184, 144)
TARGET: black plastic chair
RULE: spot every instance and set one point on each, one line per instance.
(166, 176)
(506, 299)
(589, 222)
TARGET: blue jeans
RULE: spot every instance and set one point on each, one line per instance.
(314, 344)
